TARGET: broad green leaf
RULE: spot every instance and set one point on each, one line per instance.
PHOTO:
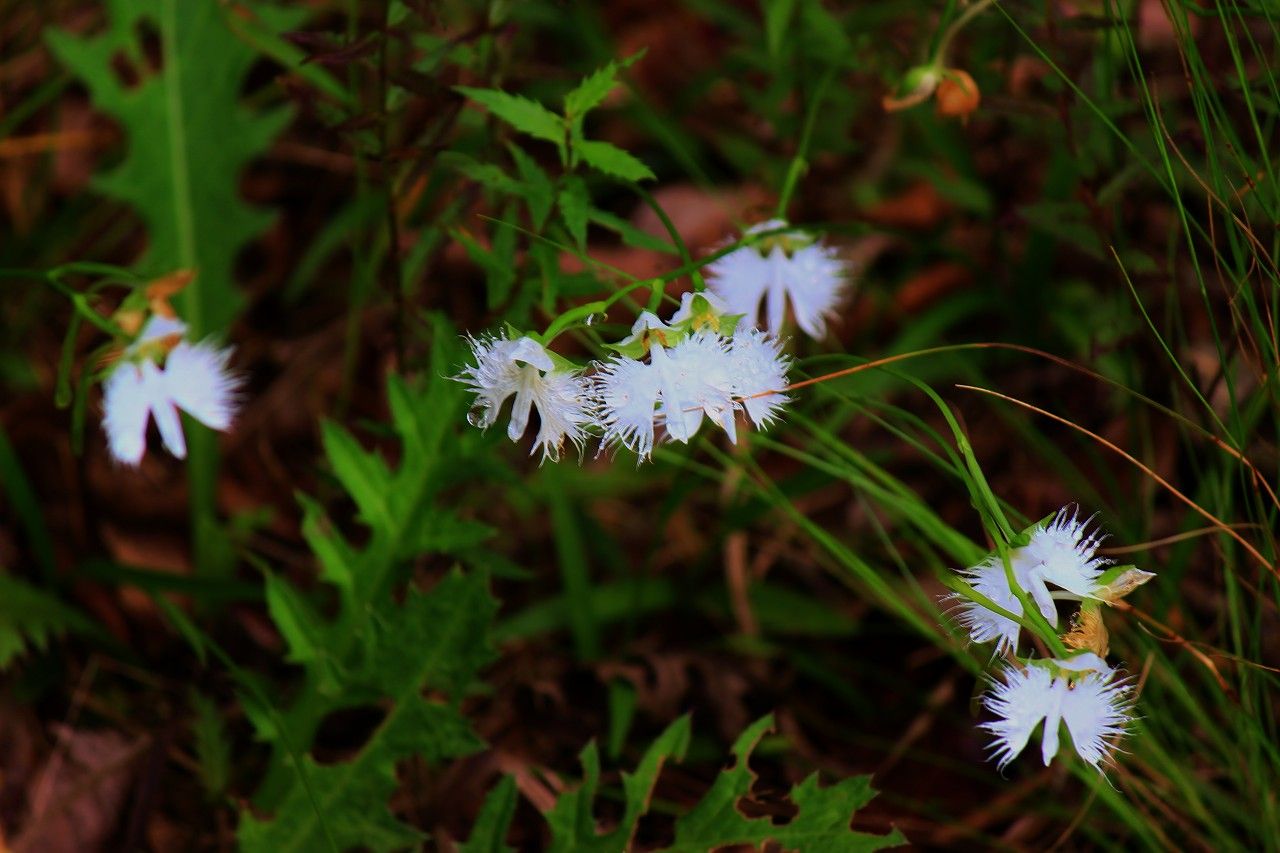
(521, 113)
(188, 136)
(574, 205)
(572, 819)
(612, 160)
(822, 822)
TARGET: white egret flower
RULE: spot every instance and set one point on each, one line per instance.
(1083, 693)
(1064, 553)
(703, 374)
(790, 267)
(984, 625)
(677, 387)
(194, 378)
(759, 375)
(1059, 553)
(523, 367)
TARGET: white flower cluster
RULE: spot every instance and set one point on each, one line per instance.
(1079, 689)
(712, 359)
(158, 374)
(665, 376)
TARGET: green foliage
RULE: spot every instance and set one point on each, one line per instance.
(373, 651)
(521, 113)
(436, 640)
(572, 819)
(821, 823)
(612, 160)
(188, 137)
(213, 748)
(565, 131)
(30, 617)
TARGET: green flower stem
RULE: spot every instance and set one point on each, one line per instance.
(695, 270)
(798, 162)
(566, 320)
(961, 21)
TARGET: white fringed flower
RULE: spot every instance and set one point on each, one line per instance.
(1093, 703)
(627, 392)
(1060, 553)
(1064, 553)
(523, 367)
(696, 378)
(760, 374)
(676, 387)
(702, 375)
(795, 267)
(984, 625)
(194, 378)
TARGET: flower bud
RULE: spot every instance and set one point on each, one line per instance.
(957, 95)
(1117, 582)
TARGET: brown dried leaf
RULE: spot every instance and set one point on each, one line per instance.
(80, 792)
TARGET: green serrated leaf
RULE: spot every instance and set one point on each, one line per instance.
(592, 91)
(612, 160)
(437, 640)
(502, 271)
(821, 823)
(574, 206)
(189, 136)
(572, 819)
(337, 559)
(298, 622)
(351, 653)
(497, 261)
(364, 475)
(521, 113)
(486, 174)
(212, 746)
